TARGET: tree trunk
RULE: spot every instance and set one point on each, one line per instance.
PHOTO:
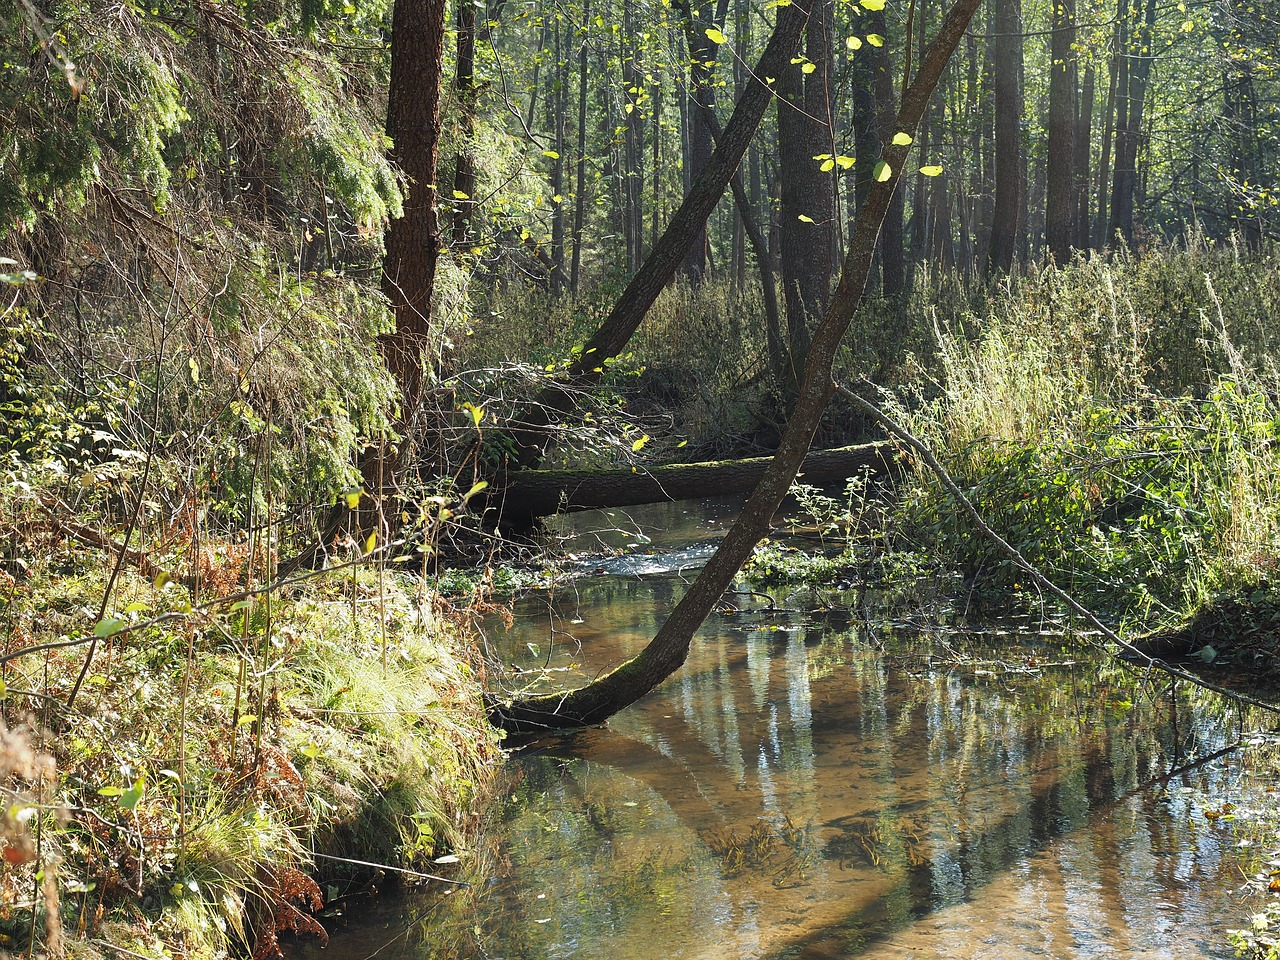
(538, 493)
(464, 84)
(413, 241)
(807, 214)
(698, 18)
(1129, 112)
(1006, 57)
(529, 430)
(580, 174)
(670, 647)
(1060, 201)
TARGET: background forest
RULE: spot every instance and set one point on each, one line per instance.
(212, 364)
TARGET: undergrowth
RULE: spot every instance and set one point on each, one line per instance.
(229, 750)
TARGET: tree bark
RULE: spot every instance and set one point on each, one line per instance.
(1006, 56)
(464, 84)
(530, 429)
(668, 650)
(807, 210)
(698, 18)
(413, 241)
(1060, 200)
(539, 493)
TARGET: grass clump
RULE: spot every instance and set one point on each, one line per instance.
(1057, 411)
(225, 746)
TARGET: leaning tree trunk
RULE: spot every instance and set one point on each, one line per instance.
(530, 429)
(668, 650)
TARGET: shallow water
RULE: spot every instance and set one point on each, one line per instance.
(814, 786)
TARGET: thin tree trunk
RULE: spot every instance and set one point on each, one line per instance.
(464, 172)
(580, 174)
(668, 650)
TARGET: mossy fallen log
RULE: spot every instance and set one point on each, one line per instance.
(529, 494)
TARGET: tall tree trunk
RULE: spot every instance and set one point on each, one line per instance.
(698, 18)
(1100, 238)
(529, 430)
(669, 648)
(1006, 57)
(558, 102)
(413, 241)
(807, 214)
(1060, 202)
(893, 270)
(633, 90)
(1129, 116)
(580, 173)
(464, 171)
(1084, 146)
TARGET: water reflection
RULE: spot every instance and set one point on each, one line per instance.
(804, 792)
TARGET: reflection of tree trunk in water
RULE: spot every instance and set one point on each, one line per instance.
(670, 647)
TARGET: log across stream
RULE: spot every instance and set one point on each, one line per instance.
(825, 784)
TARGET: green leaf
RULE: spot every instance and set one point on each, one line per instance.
(372, 542)
(162, 580)
(882, 172)
(901, 139)
(932, 170)
(875, 39)
(715, 36)
(872, 4)
(129, 799)
(475, 488)
(108, 627)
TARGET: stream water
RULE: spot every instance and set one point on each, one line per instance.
(841, 784)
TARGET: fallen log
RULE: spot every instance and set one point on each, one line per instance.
(529, 494)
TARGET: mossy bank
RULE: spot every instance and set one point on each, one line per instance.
(228, 751)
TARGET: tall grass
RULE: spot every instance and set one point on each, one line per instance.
(1118, 422)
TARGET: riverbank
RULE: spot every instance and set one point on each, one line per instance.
(196, 763)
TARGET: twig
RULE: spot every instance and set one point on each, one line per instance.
(384, 866)
(925, 454)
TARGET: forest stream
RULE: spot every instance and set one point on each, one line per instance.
(817, 785)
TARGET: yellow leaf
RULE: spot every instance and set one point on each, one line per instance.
(353, 499)
(901, 139)
(882, 172)
(639, 443)
(875, 39)
(715, 36)
(853, 43)
(846, 162)
(551, 153)
(476, 488)
(932, 170)
(827, 165)
(804, 219)
(872, 4)
(809, 68)
(371, 542)
(461, 195)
